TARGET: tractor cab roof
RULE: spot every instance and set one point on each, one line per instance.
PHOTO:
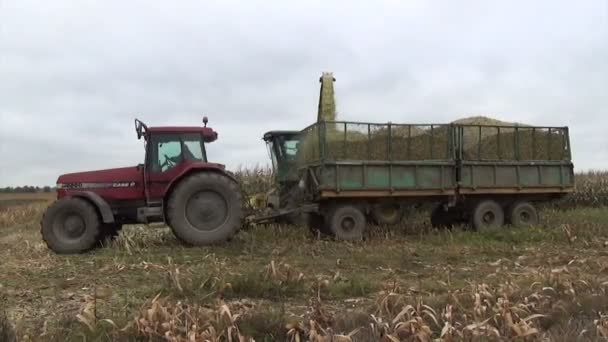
(271, 134)
(209, 135)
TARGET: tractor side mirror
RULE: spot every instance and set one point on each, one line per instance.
(205, 120)
(141, 129)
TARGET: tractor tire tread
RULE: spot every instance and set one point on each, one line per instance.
(219, 183)
(90, 216)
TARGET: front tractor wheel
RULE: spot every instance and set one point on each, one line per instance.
(205, 208)
(71, 225)
(488, 215)
(346, 222)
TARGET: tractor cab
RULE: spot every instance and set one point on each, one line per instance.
(283, 149)
(171, 151)
(166, 147)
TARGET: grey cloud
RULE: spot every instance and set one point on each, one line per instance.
(73, 75)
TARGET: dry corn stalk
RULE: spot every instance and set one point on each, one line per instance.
(601, 325)
(88, 313)
(282, 273)
(181, 322)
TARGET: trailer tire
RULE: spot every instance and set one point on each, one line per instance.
(71, 225)
(387, 213)
(523, 214)
(205, 208)
(487, 215)
(346, 222)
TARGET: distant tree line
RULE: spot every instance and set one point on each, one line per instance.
(27, 188)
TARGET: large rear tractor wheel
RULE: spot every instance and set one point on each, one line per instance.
(387, 213)
(205, 208)
(346, 222)
(71, 225)
(523, 214)
(488, 215)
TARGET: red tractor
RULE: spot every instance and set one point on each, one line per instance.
(199, 200)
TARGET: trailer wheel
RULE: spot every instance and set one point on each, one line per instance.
(387, 213)
(205, 208)
(487, 215)
(523, 214)
(346, 222)
(71, 225)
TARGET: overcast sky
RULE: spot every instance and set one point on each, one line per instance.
(74, 74)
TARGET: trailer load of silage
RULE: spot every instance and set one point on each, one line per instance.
(381, 142)
(361, 141)
(490, 139)
(482, 138)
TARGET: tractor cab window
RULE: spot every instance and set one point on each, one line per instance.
(273, 156)
(168, 150)
(290, 149)
(194, 149)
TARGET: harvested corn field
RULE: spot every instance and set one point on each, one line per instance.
(279, 283)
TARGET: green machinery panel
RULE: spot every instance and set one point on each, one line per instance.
(503, 175)
(398, 177)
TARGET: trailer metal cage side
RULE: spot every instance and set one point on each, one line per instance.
(347, 158)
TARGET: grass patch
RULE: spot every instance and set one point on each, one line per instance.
(255, 285)
(266, 324)
(357, 286)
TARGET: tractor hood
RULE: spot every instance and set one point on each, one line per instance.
(119, 177)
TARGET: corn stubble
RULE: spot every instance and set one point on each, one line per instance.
(477, 311)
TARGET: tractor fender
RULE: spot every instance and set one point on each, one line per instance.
(104, 208)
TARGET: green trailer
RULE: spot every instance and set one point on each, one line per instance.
(486, 175)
